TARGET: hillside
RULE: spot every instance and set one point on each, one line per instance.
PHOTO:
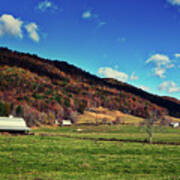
(102, 115)
(43, 91)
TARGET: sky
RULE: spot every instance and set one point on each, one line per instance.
(134, 41)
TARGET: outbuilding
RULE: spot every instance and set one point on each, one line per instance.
(66, 123)
(13, 124)
(174, 124)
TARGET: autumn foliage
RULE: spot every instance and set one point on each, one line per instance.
(43, 91)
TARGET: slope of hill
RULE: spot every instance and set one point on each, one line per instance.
(42, 91)
(102, 115)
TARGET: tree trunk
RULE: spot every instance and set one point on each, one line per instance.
(150, 138)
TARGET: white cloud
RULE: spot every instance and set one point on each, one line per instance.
(101, 23)
(32, 29)
(159, 59)
(112, 73)
(159, 71)
(133, 77)
(144, 88)
(161, 62)
(177, 55)
(44, 5)
(10, 25)
(87, 14)
(169, 86)
(163, 86)
(174, 2)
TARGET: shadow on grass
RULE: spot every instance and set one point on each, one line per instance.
(113, 139)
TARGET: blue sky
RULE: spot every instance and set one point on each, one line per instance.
(135, 41)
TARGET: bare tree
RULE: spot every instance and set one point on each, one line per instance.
(104, 121)
(151, 118)
(149, 129)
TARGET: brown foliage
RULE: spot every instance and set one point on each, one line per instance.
(53, 90)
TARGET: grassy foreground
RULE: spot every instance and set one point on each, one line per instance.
(58, 157)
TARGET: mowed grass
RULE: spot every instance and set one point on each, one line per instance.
(121, 132)
(59, 157)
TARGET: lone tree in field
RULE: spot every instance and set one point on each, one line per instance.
(151, 118)
(149, 129)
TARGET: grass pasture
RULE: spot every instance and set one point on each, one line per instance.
(58, 153)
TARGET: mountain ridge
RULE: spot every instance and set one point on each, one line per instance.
(59, 89)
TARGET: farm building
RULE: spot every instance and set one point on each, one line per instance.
(13, 124)
(174, 124)
(66, 123)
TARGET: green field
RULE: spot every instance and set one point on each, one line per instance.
(60, 153)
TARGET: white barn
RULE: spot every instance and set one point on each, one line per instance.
(66, 123)
(174, 124)
(13, 124)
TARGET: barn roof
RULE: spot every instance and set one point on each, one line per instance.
(66, 122)
(12, 124)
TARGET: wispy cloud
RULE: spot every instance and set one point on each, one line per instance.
(32, 29)
(90, 15)
(10, 25)
(174, 2)
(159, 59)
(161, 62)
(47, 5)
(101, 23)
(160, 71)
(113, 73)
(133, 77)
(177, 55)
(169, 86)
(87, 14)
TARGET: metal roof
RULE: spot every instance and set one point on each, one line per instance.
(66, 122)
(13, 124)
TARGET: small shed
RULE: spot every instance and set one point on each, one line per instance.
(66, 123)
(13, 124)
(174, 124)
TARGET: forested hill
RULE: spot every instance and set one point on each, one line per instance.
(43, 91)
